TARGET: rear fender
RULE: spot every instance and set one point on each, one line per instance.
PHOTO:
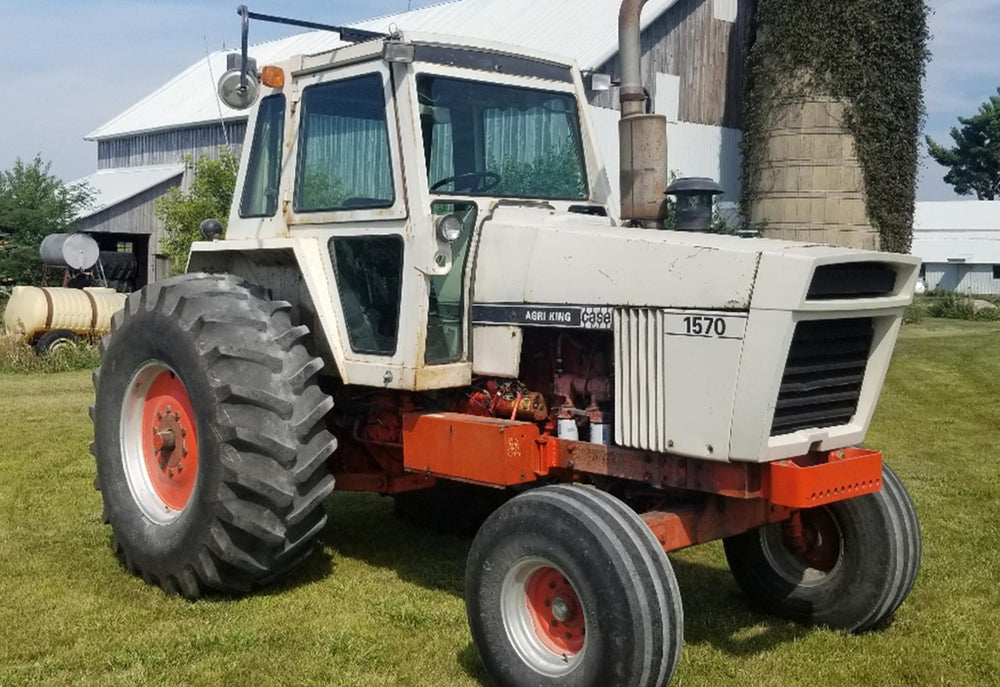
(292, 270)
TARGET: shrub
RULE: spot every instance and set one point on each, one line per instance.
(913, 314)
(952, 306)
(987, 315)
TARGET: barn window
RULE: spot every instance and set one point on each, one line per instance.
(996, 271)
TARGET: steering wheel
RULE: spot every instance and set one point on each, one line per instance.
(470, 182)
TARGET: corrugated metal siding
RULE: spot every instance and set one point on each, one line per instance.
(962, 278)
(708, 54)
(692, 150)
(166, 147)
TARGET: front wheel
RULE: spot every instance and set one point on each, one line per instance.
(853, 565)
(566, 586)
(209, 436)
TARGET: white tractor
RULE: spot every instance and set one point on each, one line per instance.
(424, 291)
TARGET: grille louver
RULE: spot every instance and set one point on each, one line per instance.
(823, 376)
(640, 395)
(852, 280)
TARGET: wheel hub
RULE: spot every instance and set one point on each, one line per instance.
(159, 442)
(554, 607)
(813, 537)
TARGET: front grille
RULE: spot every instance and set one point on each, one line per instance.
(822, 380)
(852, 280)
(640, 368)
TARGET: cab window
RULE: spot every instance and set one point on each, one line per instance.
(500, 140)
(369, 273)
(260, 190)
(344, 161)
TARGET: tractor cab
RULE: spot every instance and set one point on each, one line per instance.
(384, 158)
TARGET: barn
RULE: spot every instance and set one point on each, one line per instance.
(694, 55)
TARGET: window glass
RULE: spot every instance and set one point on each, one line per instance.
(500, 140)
(263, 179)
(369, 273)
(996, 271)
(344, 147)
(446, 307)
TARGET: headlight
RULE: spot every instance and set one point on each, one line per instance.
(449, 227)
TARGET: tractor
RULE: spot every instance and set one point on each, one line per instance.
(426, 290)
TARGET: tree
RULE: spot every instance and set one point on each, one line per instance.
(181, 212)
(974, 161)
(33, 204)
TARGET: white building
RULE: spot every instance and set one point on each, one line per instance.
(959, 242)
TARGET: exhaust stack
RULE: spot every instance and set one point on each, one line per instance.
(642, 137)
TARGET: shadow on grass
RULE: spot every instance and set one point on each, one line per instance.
(363, 526)
(718, 614)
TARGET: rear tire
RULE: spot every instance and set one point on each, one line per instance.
(566, 586)
(209, 436)
(860, 566)
(54, 340)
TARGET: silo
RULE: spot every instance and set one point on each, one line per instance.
(811, 184)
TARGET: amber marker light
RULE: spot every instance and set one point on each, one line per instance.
(272, 77)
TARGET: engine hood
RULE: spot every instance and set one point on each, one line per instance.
(535, 255)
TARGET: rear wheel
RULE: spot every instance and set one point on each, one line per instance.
(209, 436)
(567, 586)
(850, 569)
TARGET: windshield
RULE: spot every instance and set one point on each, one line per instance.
(500, 140)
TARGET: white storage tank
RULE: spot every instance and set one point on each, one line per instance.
(32, 311)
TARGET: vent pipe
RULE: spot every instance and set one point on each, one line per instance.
(642, 136)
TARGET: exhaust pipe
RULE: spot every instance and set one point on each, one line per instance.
(642, 137)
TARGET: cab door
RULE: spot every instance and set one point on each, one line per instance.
(347, 193)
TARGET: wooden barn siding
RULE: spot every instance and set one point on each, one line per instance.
(168, 147)
(132, 216)
(709, 56)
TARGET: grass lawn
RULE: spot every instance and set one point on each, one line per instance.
(381, 603)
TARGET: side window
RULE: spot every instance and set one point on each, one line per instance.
(260, 190)
(344, 158)
(446, 309)
(369, 273)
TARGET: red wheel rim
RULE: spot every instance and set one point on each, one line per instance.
(169, 440)
(555, 611)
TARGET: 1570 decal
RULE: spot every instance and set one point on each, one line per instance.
(705, 325)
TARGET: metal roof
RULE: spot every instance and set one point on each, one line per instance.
(957, 231)
(113, 186)
(586, 30)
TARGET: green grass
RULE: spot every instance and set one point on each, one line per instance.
(381, 603)
(17, 355)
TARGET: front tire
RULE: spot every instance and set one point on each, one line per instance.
(566, 586)
(860, 561)
(209, 436)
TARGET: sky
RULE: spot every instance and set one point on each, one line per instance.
(70, 66)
